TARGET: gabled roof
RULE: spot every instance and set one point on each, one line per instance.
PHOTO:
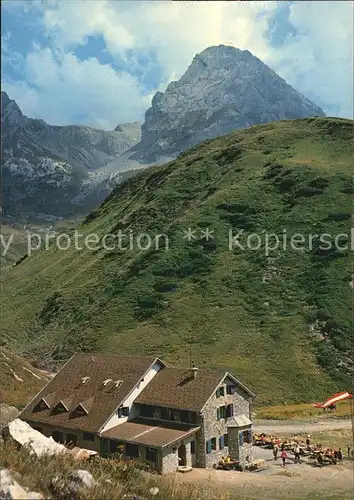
(100, 401)
(177, 388)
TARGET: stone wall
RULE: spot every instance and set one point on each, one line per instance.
(213, 428)
(242, 453)
(170, 460)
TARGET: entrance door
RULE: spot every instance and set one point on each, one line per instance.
(182, 455)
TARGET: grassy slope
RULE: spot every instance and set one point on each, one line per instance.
(17, 236)
(302, 411)
(20, 381)
(287, 175)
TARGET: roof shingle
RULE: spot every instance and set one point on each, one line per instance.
(100, 401)
(177, 388)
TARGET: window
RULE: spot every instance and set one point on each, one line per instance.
(230, 389)
(221, 412)
(78, 412)
(240, 438)
(88, 436)
(157, 413)
(59, 408)
(132, 450)
(217, 394)
(177, 416)
(123, 411)
(193, 447)
(222, 391)
(221, 442)
(151, 454)
(58, 436)
(116, 447)
(71, 440)
(226, 440)
(42, 405)
(247, 436)
(146, 411)
(229, 411)
(213, 443)
(208, 447)
(187, 416)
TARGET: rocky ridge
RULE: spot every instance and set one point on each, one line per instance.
(55, 169)
(223, 89)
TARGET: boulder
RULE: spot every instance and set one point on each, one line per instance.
(12, 490)
(69, 487)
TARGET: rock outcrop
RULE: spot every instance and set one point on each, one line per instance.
(224, 89)
(54, 169)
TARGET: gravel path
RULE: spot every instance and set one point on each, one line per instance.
(298, 427)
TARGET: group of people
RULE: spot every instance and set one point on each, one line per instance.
(298, 448)
(266, 440)
(283, 453)
(330, 456)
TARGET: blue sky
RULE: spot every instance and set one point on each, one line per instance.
(99, 63)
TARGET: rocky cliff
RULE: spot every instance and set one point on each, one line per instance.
(52, 169)
(224, 89)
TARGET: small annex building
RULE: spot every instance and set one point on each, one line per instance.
(137, 406)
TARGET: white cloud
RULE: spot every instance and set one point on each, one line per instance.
(317, 61)
(62, 90)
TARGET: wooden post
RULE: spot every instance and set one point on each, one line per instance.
(352, 420)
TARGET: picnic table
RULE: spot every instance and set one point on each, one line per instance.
(233, 465)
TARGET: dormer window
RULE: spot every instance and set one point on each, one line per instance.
(61, 407)
(41, 405)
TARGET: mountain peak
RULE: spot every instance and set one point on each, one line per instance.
(5, 100)
(223, 89)
(11, 114)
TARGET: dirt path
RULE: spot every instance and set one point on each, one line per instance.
(298, 427)
(295, 482)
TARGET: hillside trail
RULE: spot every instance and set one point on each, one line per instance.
(300, 426)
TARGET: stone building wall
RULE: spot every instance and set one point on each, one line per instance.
(170, 460)
(237, 452)
(211, 427)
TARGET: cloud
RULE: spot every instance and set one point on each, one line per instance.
(61, 89)
(315, 58)
(318, 61)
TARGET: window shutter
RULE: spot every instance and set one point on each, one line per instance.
(226, 440)
(240, 437)
(218, 414)
(217, 393)
(208, 446)
(221, 442)
(250, 436)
